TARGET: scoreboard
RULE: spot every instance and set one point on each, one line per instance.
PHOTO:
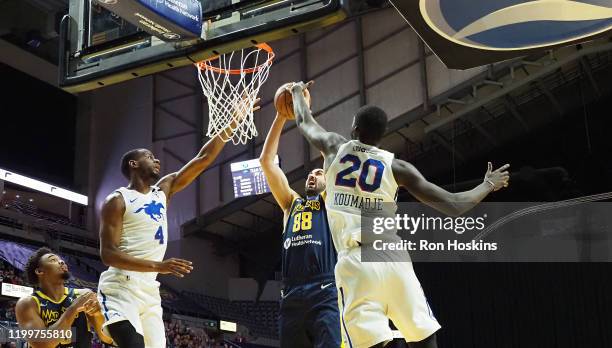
(248, 178)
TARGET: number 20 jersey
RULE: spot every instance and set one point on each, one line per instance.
(360, 177)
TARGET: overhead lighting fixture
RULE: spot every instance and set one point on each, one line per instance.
(17, 196)
(42, 187)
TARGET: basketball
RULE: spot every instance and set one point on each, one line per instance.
(283, 102)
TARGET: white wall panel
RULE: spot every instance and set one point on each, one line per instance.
(440, 78)
(386, 57)
(168, 126)
(286, 46)
(331, 50)
(379, 24)
(399, 93)
(291, 149)
(337, 84)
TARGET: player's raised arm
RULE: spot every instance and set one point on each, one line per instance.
(175, 182)
(282, 192)
(111, 228)
(324, 141)
(438, 198)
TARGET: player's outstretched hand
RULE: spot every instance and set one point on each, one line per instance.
(497, 178)
(177, 267)
(301, 85)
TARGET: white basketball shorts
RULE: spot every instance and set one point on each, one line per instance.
(128, 297)
(371, 293)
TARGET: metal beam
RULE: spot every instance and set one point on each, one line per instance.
(330, 30)
(201, 110)
(418, 112)
(360, 61)
(243, 228)
(442, 141)
(586, 67)
(178, 135)
(179, 82)
(178, 97)
(175, 156)
(424, 79)
(519, 83)
(257, 216)
(175, 115)
(478, 127)
(510, 106)
(482, 131)
(553, 100)
(153, 105)
(304, 78)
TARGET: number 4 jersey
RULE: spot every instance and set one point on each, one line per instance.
(145, 226)
(360, 177)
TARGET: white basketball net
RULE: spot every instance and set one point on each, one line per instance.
(231, 87)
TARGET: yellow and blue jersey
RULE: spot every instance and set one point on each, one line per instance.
(308, 252)
(50, 311)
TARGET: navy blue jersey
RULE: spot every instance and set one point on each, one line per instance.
(308, 250)
(50, 312)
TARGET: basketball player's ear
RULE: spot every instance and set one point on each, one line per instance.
(38, 271)
(354, 132)
(133, 163)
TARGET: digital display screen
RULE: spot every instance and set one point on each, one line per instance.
(227, 326)
(248, 178)
(105, 26)
(17, 291)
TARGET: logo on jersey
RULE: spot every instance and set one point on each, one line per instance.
(50, 316)
(516, 24)
(310, 204)
(152, 209)
(287, 243)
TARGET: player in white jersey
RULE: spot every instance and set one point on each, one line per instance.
(360, 174)
(133, 240)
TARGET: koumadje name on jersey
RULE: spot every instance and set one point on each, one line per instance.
(359, 202)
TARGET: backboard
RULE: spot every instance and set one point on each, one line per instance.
(99, 48)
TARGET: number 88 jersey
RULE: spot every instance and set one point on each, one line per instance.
(360, 177)
(307, 243)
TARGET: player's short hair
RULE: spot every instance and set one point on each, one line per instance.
(125, 161)
(33, 263)
(372, 122)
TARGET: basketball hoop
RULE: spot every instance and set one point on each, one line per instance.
(231, 87)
